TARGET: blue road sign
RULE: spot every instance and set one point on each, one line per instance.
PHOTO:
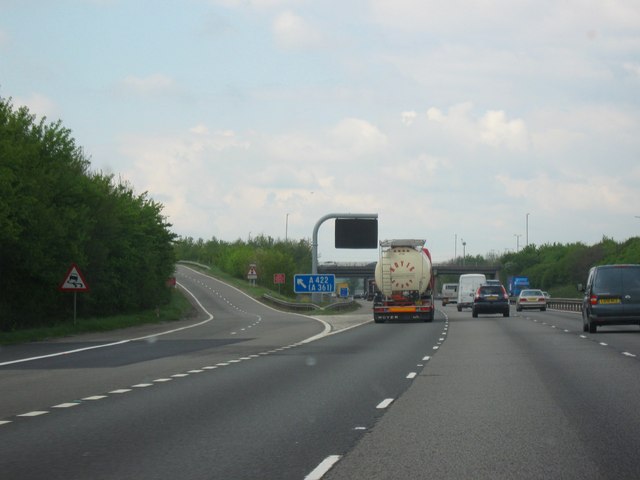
(310, 283)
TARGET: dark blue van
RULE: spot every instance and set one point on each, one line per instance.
(611, 297)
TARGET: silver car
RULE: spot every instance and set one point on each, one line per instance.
(531, 298)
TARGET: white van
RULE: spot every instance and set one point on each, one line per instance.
(449, 293)
(467, 287)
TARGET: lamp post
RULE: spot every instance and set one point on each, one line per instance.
(286, 227)
(526, 238)
(464, 251)
(455, 247)
(517, 235)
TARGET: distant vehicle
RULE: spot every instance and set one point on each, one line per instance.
(530, 299)
(491, 299)
(546, 295)
(611, 297)
(405, 281)
(516, 284)
(371, 289)
(468, 285)
(449, 293)
(493, 281)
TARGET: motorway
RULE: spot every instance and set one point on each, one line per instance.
(242, 391)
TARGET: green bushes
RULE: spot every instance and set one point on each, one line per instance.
(563, 266)
(55, 212)
(269, 256)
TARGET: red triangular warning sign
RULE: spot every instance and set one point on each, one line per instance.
(74, 281)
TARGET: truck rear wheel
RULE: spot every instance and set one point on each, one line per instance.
(378, 320)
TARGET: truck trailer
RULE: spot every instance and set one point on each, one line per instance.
(517, 283)
(405, 281)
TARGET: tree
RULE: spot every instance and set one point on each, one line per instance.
(54, 212)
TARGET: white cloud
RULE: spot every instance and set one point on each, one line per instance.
(358, 137)
(544, 18)
(492, 129)
(187, 171)
(497, 131)
(633, 68)
(435, 115)
(227, 182)
(155, 84)
(256, 4)
(565, 132)
(586, 195)
(293, 32)
(417, 173)
(452, 17)
(408, 108)
(38, 104)
(408, 117)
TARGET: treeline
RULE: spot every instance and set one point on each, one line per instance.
(234, 258)
(55, 212)
(555, 265)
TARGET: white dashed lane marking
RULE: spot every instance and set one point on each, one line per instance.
(66, 405)
(385, 403)
(582, 336)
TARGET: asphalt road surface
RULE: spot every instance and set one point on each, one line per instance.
(241, 391)
(529, 396)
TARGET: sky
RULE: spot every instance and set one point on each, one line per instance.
(489, 122)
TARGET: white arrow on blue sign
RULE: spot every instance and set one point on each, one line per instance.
(312, 283)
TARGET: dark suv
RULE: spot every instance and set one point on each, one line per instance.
(611, 297)
(490, 299)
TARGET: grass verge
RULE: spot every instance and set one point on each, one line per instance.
(258, 291)
(176, 309)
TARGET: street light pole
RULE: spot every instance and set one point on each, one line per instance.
(464, 251)
(527, 231)
(455, 247)
(286, 227)
(517, 235)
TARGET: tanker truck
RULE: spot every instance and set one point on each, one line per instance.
(405, 282)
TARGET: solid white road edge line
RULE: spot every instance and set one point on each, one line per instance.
(323, 468)
(112, 344)
(327, 327)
